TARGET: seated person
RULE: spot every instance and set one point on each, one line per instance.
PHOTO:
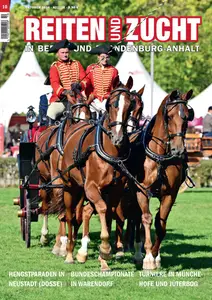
(101, 77)
(65, 74)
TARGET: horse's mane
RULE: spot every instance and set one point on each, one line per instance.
(160, 109)
(176, 95)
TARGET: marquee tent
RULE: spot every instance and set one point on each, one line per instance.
(130, 65)
(23, 88)
(201, 102)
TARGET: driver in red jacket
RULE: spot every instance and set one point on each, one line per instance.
(65, 75)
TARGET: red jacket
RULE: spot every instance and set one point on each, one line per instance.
(100, 80)
(63, 74)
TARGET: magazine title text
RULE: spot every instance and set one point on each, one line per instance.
(98, 29)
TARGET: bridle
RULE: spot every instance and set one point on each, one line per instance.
(182, 115)
(163, 158)
(115, 103)
(134, 120)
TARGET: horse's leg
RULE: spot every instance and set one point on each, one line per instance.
(160, 225)
(139, 239)
(119, 217)
(78, 216)
(61, 238)
(83, 251)
(70, 244)
(129, 234)
(44, 208)
(93, 194)
(143, 201)
(103, 262)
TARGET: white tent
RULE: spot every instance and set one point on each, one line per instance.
(23, 88)
(201, 102)
(130, 64)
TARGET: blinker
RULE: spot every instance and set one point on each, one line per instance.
(190, 114)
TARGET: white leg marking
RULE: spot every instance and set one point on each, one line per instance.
(120, 112)
(44, 230)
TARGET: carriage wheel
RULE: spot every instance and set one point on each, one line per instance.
(28, 223)
(22, 219)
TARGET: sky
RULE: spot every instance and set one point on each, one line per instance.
(15, 1)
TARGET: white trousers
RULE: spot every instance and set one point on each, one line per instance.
(55, 109)
(98, 106)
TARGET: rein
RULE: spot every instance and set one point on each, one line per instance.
(99, 148)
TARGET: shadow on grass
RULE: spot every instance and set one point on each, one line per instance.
(174, 251)
(199, 191)
(170, 235)
(187, 262)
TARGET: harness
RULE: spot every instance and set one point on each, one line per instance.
(167, 159)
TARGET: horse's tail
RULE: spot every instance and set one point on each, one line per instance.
(57, 205)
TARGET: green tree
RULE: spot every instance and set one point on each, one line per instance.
(183, 70)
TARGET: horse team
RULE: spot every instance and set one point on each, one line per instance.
(112, 167)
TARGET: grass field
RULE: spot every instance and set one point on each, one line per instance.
(187, 248)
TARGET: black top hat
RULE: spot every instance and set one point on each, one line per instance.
(106, 49)
(62, 44)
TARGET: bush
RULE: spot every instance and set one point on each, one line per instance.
(9, 175)
(202, 174)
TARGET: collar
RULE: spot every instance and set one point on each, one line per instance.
(69, 61)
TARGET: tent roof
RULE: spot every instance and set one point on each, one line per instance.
(201, 102)
(130, 65)
(23, 88)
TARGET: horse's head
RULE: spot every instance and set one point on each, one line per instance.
(136, 113)
(79, 108)
(176, 115)
(119, 105)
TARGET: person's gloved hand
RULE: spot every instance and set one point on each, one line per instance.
(66, 92)
(76, 87)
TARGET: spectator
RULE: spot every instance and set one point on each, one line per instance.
(207, 123)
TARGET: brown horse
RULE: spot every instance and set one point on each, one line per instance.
(87, 165)
(160, 165)
(79, 111)
(121, 212)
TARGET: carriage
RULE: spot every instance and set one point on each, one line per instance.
(104, 145)
(28, 199)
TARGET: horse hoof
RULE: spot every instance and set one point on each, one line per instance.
(138, 262)
(158, 261)
(62, 252)
(56, 250)
(69, 261)
(149, 265)
(119, 254)
(105, 269)
(43, 241)
(106, 255)
(104, 265)
(158, 264)
(81, 258)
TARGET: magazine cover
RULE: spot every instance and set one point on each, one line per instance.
(105, 149)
